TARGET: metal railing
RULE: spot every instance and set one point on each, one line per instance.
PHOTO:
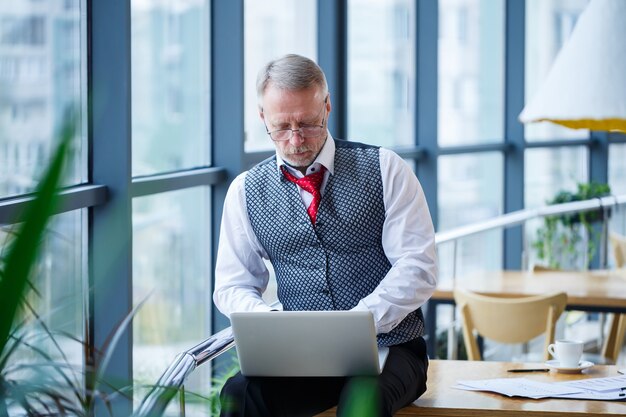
(173, 379)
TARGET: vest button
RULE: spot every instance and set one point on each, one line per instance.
(325, 291)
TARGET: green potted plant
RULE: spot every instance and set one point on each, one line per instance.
(47, 383)
(15, 270)
(561, 238)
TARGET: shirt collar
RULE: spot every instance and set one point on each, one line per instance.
(326, 157)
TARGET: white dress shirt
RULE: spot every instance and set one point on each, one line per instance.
(408, 240)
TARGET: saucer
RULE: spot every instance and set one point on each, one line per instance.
(554, 364)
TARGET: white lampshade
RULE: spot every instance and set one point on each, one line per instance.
(586, 86)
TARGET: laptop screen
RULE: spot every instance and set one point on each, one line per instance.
(306, 343)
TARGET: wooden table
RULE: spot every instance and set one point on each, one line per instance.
(596, 290)
(442, 400)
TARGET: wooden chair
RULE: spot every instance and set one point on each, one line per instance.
(570, 316)
(614, 341)
(618, 242)
(508, 319)
(612, 344)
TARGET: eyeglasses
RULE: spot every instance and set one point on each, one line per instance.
(307, 131)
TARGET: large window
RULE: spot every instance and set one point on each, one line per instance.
(144, 187)
(171, 234)
(470, 112)
(381, 72)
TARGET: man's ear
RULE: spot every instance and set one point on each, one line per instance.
(328, 104)
(261, 115)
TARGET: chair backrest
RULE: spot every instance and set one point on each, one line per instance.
(615, 337)
(618, 242)
(508, 319)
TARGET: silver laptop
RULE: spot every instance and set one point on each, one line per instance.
(307, 343)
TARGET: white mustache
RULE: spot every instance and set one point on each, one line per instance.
(295, 150)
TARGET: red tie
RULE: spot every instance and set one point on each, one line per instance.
(311, 184)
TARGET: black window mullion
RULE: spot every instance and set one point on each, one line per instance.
(599, 157)
(227, 114)
(515, 12)
(332, 52)
(599, 172)
(179, 180)
(426, 98)
(70, 198)
(110, 225)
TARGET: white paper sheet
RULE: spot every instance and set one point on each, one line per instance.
(595, 395)
(612, 388)
(599, 384)
(520, 387)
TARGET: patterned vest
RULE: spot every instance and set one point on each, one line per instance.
(335, 264)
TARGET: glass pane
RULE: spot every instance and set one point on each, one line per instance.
(470, 190)
(546, 172)
(41, 75)
(549, 170)
(381, 72)
(58, 277)
(548, 26)
(471, 72)
(170, 85)
(272, 28)
(617, 176)
(172, 272)
(617, 168)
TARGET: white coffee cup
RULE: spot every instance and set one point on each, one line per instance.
(567, 352)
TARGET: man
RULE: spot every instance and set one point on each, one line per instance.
(363, 241)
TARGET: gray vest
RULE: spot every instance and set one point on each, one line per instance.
(339, 261)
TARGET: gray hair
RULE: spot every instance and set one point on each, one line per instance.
(290, 72)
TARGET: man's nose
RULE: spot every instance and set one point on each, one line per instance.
(296, 137)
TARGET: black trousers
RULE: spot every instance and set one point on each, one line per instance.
(401, 382)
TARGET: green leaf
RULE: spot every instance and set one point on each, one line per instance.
(22, 253)
(558, 241)
(362, 398)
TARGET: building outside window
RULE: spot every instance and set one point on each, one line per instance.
(381, 72)
(272, 28)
